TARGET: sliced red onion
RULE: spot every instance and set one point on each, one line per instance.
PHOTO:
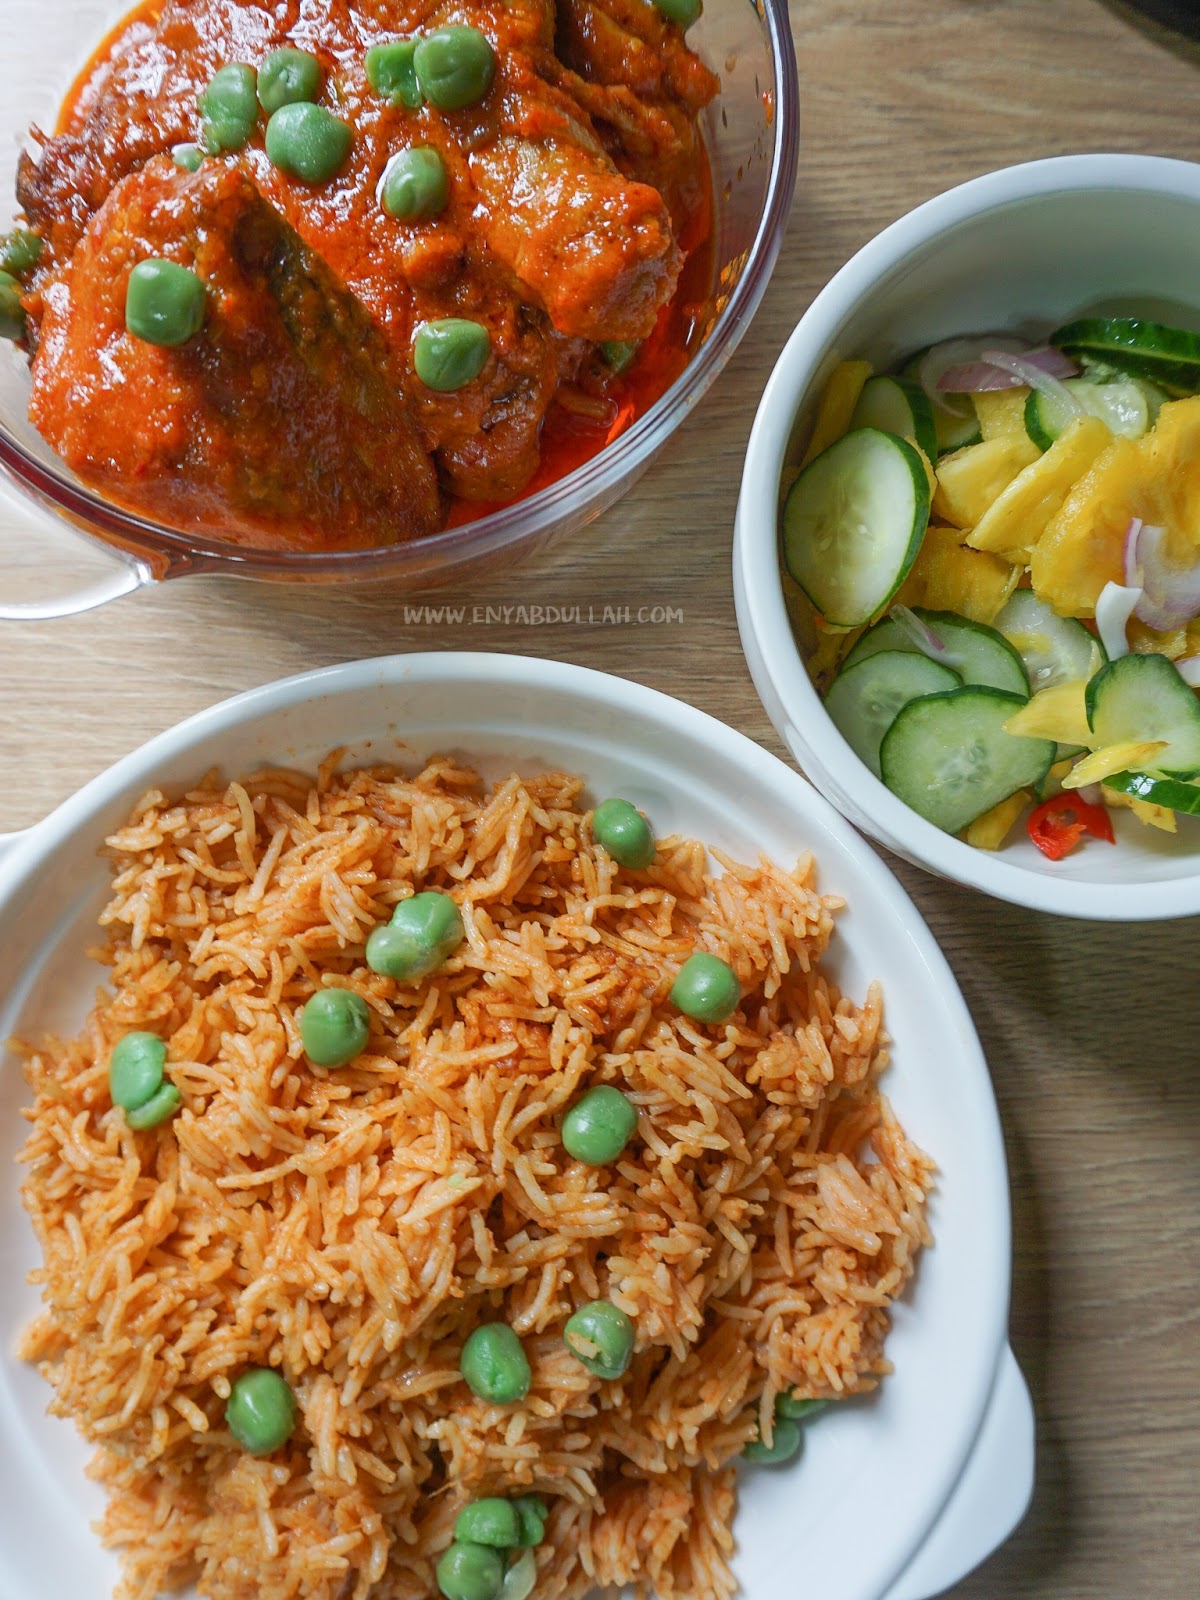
(1133, 571)
(952, 353)
(1113, 611)
(928, 376)
(1091, 794)
(985, 375)
(1171, 594)
(1189, 671)
(1029, 374)
(928, 642)
(976, 377)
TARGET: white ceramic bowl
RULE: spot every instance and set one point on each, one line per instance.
(1024, 249)
(937, 1467)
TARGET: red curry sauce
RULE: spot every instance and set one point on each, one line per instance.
(613, 243)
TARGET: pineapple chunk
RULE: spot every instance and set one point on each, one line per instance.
(1129, 754)
(1156, 478)
(833, 645)
(838, 400)
(1001, 413)
(1082, 546)
(1059, 713)
(989, 831)
(946, 576)
(969, 480)
(1016, 520)
(1052, 783)
(1144, 810)
(1144, 641)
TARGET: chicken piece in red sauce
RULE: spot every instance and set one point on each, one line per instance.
(281, 423)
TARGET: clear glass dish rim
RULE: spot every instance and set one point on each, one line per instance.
(172, 553)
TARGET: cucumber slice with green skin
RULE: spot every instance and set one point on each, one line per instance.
(956, 433)
(1121, 405)
(1054, 649)
(853, 522)
(900, 406)
(1143, 697)
(1169, 792)
(949, 758)
(865, 699)
(1095, 371)
(1169, 357)
(978, 654)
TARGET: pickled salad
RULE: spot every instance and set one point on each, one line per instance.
(995, 565)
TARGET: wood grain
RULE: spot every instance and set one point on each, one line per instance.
(1091, 1030)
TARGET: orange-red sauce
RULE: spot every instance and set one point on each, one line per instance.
(578, 425)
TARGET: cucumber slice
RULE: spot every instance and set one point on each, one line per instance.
(1143, 697)
(949, 758)
(853, 522)
(900, 406)
(1121, 405)
(1169, 792)
(1054, 649)
(1169, 357)
(1095, 371)
(978, 654)
(864, 699)
(956, 433)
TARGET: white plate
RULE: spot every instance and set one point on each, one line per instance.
(876, 1478)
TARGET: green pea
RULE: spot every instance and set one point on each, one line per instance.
(521, 1577)
(455, 67)
(491, 1521)
(600, 1335)
(706, 989)
(20, 252)
(229, 108)
(335, 1025)
(188, 156)
(619, 353)
(786, 1441)
(392, 72)
(161, 1107)
(787, 1405)
(423, 934)
(599, 1126)
(494, 1365)
(449, 354)
(531, 1512)
(261, 1413)
(470, 1572)
(287, 77)
(12, 313)
(135, 1069)
(413, 187)
(684, 12)
(307, 142)
(624, 833)
(165, 304)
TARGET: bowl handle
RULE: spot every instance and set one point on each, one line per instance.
(124, 574)
(989, 1499)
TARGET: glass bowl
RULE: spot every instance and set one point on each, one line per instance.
(752, 134)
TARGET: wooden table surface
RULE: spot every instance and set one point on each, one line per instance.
(1091, 1030)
